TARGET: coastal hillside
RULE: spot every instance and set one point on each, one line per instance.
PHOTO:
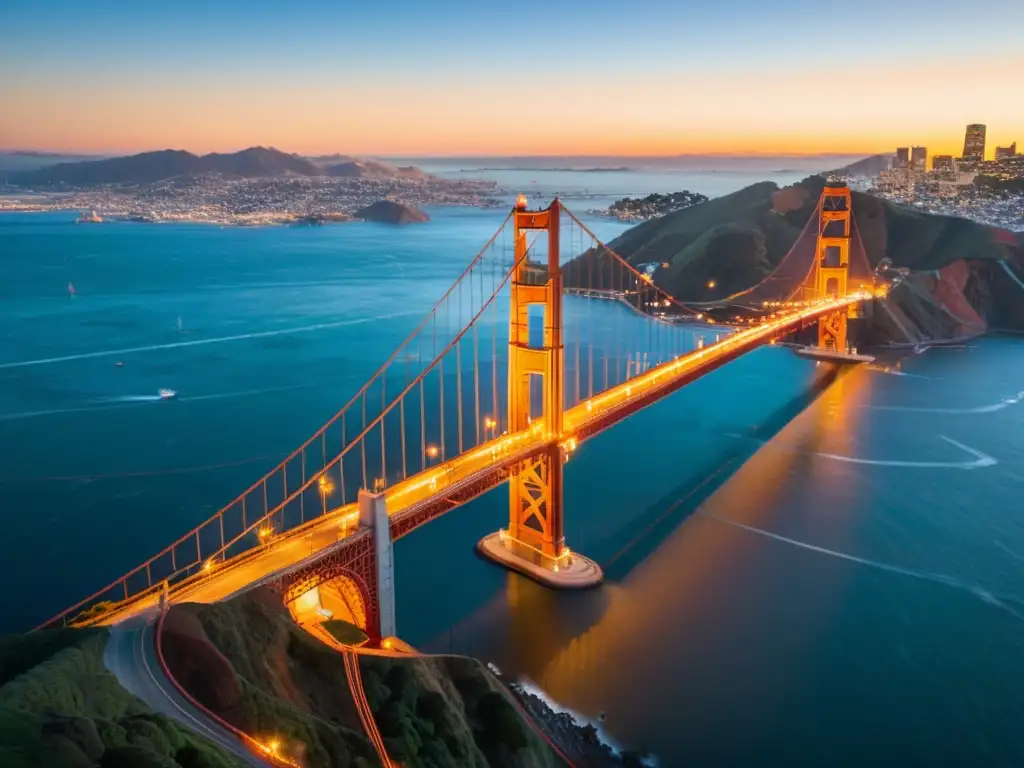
(372, 169)
(251, 163)
(391, 212)
(247, 661)
(61, 708)
(961, 274)
(869, 166)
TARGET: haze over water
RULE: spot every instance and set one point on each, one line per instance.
(802, 570)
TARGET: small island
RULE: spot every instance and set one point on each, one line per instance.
(652, 206)
(390, 212)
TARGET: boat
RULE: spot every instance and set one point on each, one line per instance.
(167, 394)
(119, 364)
(71, 290)
(90, 218)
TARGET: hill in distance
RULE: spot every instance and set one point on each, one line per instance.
(20, 161)
(254, 162)
(361, 169)
(958, 268)
(869, 166)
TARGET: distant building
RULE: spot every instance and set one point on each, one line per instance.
(944, 164)
(974, 143)
(902, 158)
(1005, 153)
(919, 159)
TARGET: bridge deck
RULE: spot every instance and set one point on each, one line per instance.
(429, 494)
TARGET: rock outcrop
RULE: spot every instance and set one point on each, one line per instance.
(390, 212)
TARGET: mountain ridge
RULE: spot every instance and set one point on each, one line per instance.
(161, 165)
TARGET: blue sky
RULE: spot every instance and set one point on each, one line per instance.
(188, 55)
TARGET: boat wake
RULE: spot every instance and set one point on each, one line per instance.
(1002, 404)
(980, 459)
(202, 342)
(131, 399)
(891, 372)
(999, 601)
(106, 404)
(245, 393)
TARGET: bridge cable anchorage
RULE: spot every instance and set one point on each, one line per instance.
(424, 439)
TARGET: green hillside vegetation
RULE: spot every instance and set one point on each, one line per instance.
(448, 711)
(61, 708)
(736, 240)
(344, 632)
(250, 663)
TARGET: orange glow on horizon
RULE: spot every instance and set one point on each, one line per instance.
(749, 113)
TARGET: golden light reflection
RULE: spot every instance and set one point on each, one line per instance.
(684, 581)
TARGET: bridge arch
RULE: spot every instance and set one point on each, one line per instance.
(350, 566)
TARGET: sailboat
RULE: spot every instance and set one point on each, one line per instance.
(182, 328)
(71, 289)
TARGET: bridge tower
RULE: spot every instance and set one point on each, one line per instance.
(534, 543)
(832, 262)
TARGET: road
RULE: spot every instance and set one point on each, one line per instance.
(131, 655)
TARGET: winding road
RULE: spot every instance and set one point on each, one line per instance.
(131, 656)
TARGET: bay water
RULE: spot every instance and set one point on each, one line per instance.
(803, 567)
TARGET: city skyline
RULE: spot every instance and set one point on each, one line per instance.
(455, 79)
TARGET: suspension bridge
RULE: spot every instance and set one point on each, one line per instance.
(499, 384)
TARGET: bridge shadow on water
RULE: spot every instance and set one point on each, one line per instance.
(662, 517)
(527, 626)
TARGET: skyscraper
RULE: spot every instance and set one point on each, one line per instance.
(1003, 153)
(943, 164)
(919, 159)
(974, 143)
(902, 157)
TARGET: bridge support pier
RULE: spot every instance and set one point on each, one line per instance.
(534, 543)
(830, 275)
(373, 514)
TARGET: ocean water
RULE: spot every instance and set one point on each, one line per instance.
(594, 183)
(803, 569)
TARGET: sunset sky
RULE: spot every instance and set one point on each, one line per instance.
(465, 77)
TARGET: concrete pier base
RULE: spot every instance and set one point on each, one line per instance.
(573, 572)
(833, 355)
(373, 514)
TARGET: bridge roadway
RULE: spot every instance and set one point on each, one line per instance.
(436, 490)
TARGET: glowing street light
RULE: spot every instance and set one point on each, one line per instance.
(432, 452)
(711, 283)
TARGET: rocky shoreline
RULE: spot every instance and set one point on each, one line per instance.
(581, 742)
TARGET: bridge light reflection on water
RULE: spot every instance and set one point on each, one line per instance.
(683, 605)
